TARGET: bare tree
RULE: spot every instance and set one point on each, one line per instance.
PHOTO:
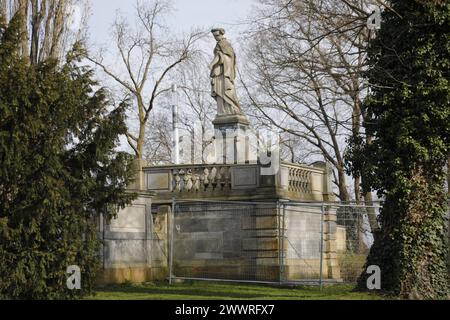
(295, 150)
(197, 110)
(43, 26)
(305, 65)
(306, 61)
(200, 107)
(148, 54)
(158, 144)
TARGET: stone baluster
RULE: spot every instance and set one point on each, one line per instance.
(206, 179)
(197, 182)
(303, 181)
(212, 177)
(182, 174)
(188, 184)
(222, 176)
(219, 176)
(177, 181)
(308, 182)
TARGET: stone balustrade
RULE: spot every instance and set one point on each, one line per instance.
(201, 178)
(237, 182)
(299, 179)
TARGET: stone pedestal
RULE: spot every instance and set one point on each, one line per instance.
(230, 139)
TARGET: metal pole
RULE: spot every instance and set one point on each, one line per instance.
(175, 127)
(279, 241)
(171, 227)
(321, 246)
(282, 242)
(102, 223)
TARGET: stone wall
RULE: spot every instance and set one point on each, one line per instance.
(235, 241)
(134, 244)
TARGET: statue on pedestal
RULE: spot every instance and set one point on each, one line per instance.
(223, 75)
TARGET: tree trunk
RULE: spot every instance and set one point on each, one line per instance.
(36, 20)
(58, 28)
(410, 268)
(342, 184)
(140, 142)
(448, 213)
(448, 177)
(357, 187)
(371, 212)
(356, 133)
(22, 10)
(3, 13)
(46, 43)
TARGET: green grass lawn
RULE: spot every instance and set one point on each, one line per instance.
(226, 291)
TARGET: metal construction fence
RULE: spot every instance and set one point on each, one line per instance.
(270, 242)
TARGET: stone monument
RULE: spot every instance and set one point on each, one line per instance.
(230, 122)
(230, 224)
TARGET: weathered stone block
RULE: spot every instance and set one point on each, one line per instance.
(274, 261)
(266, 222)
(330, 256)
(244, 177)
(260, 244)
(268, 233)
(267, 181)
(330, 217)
(330, 236)
(334, 272)
(330, 227)
(130, 219)
(316, 182)
(267, 273)
(124, 275)
(257, 254)
(331, 262)
(208, 255)
(341, 239)
(330, 246)
(283, 178)
(158, 181)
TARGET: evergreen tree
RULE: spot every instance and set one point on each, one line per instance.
(409, 120)
(59, 170)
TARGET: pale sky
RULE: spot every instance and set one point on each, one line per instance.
(187, 15)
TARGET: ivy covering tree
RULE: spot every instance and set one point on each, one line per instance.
(409, 120)
(59, 170)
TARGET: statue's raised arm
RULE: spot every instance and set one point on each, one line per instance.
(223, 76)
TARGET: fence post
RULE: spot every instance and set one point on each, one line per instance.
(282, 236)
(281, 218)
(171, 227)
(279, 240)
(321, 246)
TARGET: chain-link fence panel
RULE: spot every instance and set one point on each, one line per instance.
(354, 238)
(302, 231)
(226, 241)
(282, 242)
